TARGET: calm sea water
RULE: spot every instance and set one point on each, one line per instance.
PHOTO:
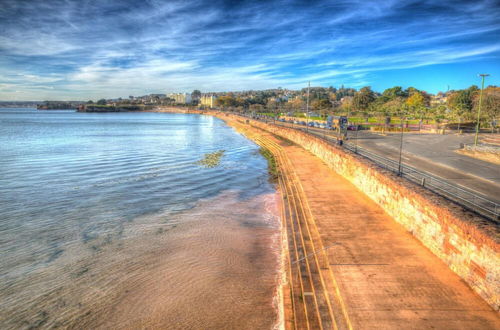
(107, 220)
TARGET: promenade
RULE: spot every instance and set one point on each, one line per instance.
(350, 265)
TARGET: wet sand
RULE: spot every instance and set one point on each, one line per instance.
(215, 266)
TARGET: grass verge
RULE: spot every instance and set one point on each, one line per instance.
(271, 164)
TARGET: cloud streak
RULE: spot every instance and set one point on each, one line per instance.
(91, 49)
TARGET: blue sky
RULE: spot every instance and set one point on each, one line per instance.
(85, 49)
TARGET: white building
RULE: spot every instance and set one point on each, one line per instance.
(181, 98)
(208, 100)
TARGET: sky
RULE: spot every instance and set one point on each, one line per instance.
(81, 50)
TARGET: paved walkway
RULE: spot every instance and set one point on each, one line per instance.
(387, 278)
(352, 266)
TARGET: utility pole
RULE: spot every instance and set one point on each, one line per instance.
(356, 140)
(307, 107)
(483, 75)
(401, 147)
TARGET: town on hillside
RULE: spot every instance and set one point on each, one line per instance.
(454, 108)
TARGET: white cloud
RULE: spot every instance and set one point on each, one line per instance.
(106, 49)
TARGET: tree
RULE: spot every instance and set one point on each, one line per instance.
(322, 105)
(393, 107)
(226, 101)
(411, 90)
(90, 102)
(271, 105)
(196, 94)
(346, 105)
(461, 103)
(490, 108)
(416, 104)
(297, 104)
(101, 102)
(439, 112)
(416, 100)
(363, 99)
(457, 110)
(256, 107)
(241, 102)
(393, 92)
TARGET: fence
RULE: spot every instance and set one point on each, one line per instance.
(462, 196)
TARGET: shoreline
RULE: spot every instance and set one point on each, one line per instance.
(467, 278)
(282, 308)
(281, 282)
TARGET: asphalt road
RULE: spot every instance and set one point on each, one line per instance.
(432, 153)
(436, 154)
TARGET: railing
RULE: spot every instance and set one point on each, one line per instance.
(462, 196)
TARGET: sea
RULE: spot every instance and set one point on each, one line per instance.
(110, 220)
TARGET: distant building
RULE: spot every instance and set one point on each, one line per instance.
(208, 100)
(181, 98)
(439, 99)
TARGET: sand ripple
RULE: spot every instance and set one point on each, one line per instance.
(211, 267)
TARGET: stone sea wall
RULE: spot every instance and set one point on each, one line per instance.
(170, 109)
(467, 243)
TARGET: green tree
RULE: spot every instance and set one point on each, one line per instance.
(226, 101)
(362, 99)
(394, 106)
(393, 92)
(196, 94)
(439, 113)
(461, 104)
(490, 108)
(411, 90)
(101, 102)
(321, 104)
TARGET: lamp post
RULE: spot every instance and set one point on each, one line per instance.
(483, 75)
(401, 147)
(307, 107)
(356, 140)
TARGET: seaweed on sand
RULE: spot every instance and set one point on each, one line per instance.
(211, 159)
(271, 162)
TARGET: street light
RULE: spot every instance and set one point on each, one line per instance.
(356, 140)
(307, 108)
(401, 147)
(483, 75)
